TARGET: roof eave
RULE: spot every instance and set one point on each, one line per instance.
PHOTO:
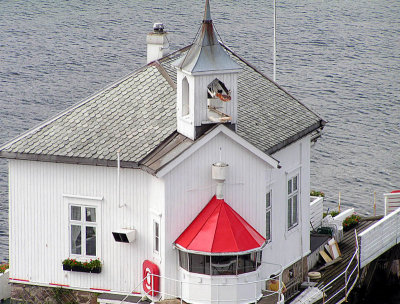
(183, 249)
(67, 159)
(318, 125)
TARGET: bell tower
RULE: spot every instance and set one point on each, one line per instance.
(206, 83)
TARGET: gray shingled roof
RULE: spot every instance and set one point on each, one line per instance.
(132, 116)
(137, 114)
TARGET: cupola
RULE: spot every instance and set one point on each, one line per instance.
(206, 83)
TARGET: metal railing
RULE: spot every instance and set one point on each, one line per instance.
(179, 286)
(350, 277)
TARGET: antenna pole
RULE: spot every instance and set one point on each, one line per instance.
(274, 52)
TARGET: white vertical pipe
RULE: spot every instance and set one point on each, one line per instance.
(274, 52)
(118, 181)
(118, 174)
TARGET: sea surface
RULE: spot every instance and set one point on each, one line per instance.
(340, 58)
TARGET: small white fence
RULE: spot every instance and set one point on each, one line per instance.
(392, 202)
(379, 238)
(316, 211)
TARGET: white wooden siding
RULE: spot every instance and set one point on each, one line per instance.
(39, 222)
(379, 238)
(189, 188)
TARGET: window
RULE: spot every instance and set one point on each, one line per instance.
(156, 235)
(82, 227)
(268, 213)
(220, 264)
(293, 201)
(185, 97)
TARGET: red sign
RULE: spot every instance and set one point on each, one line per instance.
(151, 279)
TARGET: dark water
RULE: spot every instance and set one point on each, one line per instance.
(341, 58)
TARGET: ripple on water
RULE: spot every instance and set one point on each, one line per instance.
(340, 58)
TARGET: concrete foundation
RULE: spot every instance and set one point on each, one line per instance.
(24, 293)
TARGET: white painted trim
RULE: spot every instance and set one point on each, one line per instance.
(273, 163)
(94, 198)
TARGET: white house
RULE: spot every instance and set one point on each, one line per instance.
(125, 177)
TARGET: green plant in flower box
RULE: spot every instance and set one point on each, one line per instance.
(88, 266)
(351, 222)
(317, 193)
(4, 267)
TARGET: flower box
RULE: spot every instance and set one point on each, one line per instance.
(93, 266)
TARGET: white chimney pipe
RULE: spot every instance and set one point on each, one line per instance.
(218, 172)
(157, 43)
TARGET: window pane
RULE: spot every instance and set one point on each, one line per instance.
(183, 260)
(90, 214)
(247, 262)
(224, 265)
(295, 183)
(156, 232)
(199, 263)
(290, 212)
(294, 209)
(76, 242)
(268, 200)
(75, 213)
(259, 258)
(156, 229)
(91, 241)
(268, 225)
(289, 186)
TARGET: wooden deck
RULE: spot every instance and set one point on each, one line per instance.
(347, 247)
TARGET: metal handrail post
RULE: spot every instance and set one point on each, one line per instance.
(181, 283)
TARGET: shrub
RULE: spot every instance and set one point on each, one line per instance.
(317, 193)
(4, 267)
(332, 213)
(351, 222)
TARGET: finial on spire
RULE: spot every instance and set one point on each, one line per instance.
(207, 13)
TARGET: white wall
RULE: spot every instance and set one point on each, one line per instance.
(39, 211)
(286, 246)
(39, 238)
(189, 188)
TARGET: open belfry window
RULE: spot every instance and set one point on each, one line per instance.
(82, 228)
(185, 97)
(217, 96)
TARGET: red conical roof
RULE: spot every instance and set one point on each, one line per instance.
(219, 229)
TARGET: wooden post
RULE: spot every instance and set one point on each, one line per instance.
(339, 203)
(374, 203)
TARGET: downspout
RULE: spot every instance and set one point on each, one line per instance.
(118, 181)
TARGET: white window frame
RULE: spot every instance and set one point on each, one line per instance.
(268, 210)
(84, 224)
(156, 238)
(293, 195)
